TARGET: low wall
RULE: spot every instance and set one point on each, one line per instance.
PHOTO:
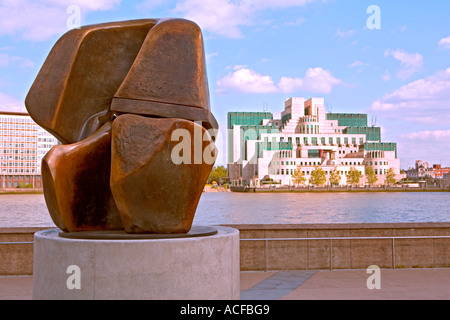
(393, 188)
(267, 247)
(344, 246)
(16, 250)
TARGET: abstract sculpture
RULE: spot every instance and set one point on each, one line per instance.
(115, 95)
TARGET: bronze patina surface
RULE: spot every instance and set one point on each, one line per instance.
(196, 231)
(113, 94)
(76, 184)
(72, 93)
(153, 193)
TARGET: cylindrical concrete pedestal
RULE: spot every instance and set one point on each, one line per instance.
(196, 268)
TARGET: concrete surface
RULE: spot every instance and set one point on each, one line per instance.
(398, 284)
(195, 268)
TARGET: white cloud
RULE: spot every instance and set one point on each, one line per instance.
(225, 17)
(386, 76)
(410, 62)
(11, 104)
(356, 64)
(432, 145)
(445, 43)
(344, 34)
(428, 135)
(8, 60)
(211, 55)
(316, 80)
(38, 21)
(245, 80)
(297, 22)
(425, 100)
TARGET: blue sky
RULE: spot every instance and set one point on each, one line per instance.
(261, 52)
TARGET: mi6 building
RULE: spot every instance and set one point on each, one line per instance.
(261, 148)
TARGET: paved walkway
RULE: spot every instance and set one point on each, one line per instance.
(400, 284)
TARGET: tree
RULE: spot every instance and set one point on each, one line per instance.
(217, 173)
(318, 177)
(298, 177)
(371, 177)
(353, 176)
(390, 176)
(335, 177)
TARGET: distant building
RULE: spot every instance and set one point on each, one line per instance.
(260, 147)
(423, 171)
(439, 172)
(23, 144)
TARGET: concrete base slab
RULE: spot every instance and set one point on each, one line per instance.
(196, 268)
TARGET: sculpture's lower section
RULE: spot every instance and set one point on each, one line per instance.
(144, 175)
(194, 268)
(158, 172)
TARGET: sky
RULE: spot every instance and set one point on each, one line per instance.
(389, 59)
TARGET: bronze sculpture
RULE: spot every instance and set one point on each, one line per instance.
(114, 94)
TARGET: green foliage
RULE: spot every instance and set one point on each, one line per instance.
(390, 176)
(298, 177)
(24, 185)
(335, 177)
(217, 173)
(318, 177)
(353, 176)
(371, 177)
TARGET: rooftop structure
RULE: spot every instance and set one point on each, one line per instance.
(261, 147)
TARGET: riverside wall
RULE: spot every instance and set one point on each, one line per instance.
(384, 188)
(268, 247)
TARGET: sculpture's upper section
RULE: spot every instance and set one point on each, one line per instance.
(152, 67)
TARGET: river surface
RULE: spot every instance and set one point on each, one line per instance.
(259, 208)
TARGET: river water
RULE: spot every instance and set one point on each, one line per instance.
(260, 208)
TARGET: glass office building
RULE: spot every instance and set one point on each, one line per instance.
(23, 144)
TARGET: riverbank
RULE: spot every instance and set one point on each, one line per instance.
(21, 191)
(292, 189)
(216, 189)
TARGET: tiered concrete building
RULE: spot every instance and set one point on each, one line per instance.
(23, 144)
(260, 147)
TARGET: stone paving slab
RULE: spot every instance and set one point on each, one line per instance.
(398, 284)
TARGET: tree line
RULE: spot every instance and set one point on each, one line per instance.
(319, 177)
